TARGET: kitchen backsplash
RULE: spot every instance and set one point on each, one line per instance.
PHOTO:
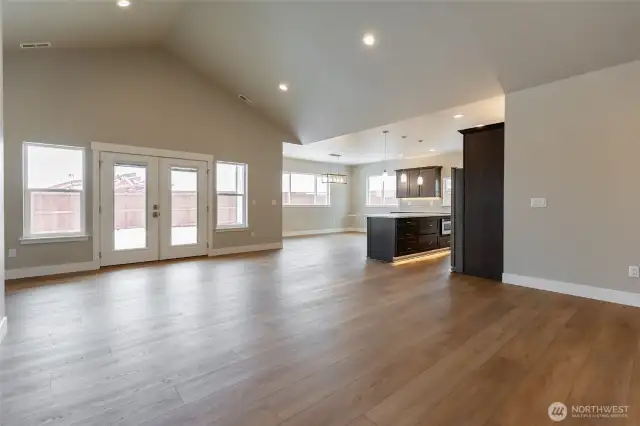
(420, 205)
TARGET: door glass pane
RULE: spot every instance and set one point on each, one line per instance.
(184, 206)
(129, 207)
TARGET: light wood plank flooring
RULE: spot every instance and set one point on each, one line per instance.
(313, 335)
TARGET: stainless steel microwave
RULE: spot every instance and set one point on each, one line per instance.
(446, 227)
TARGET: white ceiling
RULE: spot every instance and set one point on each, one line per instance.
(429, 56)
(438, 132)
(87, 23)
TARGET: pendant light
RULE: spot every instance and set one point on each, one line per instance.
(385, 174)
(403, 176)
(420, 180)
(337, 177)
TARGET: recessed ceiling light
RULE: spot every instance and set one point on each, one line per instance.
(283, 86)
(124, 3)
(432, 150)
(458, 116)
(369, 39)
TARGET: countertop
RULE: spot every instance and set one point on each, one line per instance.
(409, 215)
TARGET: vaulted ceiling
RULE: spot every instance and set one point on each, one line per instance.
(428, 57)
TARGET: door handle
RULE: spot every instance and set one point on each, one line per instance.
(156, 214)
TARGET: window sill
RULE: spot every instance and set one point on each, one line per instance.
(233, 228)
(56, 239)
(382, 205)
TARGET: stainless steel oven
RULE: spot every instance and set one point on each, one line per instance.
(445, 227)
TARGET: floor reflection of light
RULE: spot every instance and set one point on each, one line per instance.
(428, 256)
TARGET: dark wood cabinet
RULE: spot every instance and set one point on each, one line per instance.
(414, 188)
(402, 188)
(428, 242)
(431, 178)
(444, 241)
(428, 225)
(431, 182)
(389, 237)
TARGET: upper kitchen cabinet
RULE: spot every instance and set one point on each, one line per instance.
(431, 182)
(420, 182)
(402, 185)
(414, 188)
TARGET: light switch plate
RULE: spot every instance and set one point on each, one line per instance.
(634, 272)
(273, 202)
(12, 253)
(538, 203)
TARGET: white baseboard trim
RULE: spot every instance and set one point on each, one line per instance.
(314, 232)
(580, 290)
(244, 249)
(3, 329)
(363, 230)
(41, 271)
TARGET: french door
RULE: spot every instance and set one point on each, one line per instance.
(151, 208)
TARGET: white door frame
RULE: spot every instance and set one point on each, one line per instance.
(98, 147)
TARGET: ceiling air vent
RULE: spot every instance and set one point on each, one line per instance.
(245, 99)
(38, 45)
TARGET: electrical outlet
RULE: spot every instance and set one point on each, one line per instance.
(538, 203)
(273, 202)
(253, 234)
(254, 202)
(634, 271)
(13, 253)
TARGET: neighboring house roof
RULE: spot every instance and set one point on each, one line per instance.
(127, 182)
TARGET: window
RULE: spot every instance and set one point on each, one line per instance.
(54, 192)
(381, 191)
(446, 192)
(302, 189)
(231, 183)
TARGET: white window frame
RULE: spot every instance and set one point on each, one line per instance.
(27, 236)
(315, 191)
(245, 211)
(368, 203)
(447, 191)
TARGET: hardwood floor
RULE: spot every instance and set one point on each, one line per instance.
(313, 335)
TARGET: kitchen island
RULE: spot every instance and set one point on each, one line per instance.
(397, 236)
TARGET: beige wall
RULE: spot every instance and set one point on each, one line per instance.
(132, 97)
(335, 216)
(575, 142)
(359, 209)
